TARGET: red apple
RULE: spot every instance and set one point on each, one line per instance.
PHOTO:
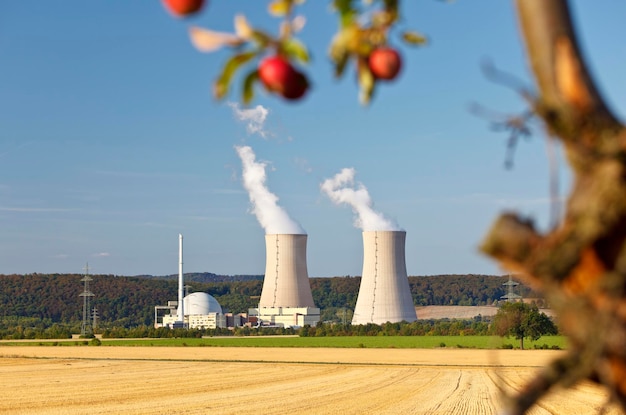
(280, 77)
(385, 63)
(296, 89)
(183, 8)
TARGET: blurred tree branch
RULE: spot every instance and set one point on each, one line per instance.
(580, 264)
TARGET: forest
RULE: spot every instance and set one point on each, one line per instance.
(47, 300)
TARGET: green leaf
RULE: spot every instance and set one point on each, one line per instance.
(293, 48)
(343, 6)
(222, 84)
(262, 38)
(347, 12)
(414, 39)
(367, 82)
(340, 65)
(339, 54)
(247, 92)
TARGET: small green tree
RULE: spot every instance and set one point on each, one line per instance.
(521, 321)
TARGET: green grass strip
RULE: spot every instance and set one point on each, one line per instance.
(399, 342)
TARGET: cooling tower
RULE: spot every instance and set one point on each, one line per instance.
(286, 282)
(384, 294)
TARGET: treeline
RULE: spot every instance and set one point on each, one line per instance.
(477, 326)
(129, 301)
(444, 327)
(463, 290)
(123, 301)
(13, 327)
(152, 332)
(120, 301)
(206, 277)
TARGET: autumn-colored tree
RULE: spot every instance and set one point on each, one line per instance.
(579, 264)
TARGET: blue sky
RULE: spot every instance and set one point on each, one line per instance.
(111, 144)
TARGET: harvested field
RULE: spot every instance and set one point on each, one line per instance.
(200, 380)
(461, 312)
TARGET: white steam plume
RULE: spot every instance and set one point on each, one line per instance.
(253, 117)
(342, 189)
(272, 217)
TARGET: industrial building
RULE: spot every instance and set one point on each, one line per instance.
(202, 311)
(195, 311)
(384, 295)
(286, 298)
(285, 316)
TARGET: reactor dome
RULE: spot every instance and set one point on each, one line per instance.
(201, 303)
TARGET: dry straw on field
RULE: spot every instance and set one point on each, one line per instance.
(154, 380)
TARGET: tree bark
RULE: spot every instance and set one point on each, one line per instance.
(580, 265)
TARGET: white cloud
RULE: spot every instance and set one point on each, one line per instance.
(102, 254)
(253, 117)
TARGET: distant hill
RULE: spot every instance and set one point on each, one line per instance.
(206, 277)
(130, 301)
(463, 290)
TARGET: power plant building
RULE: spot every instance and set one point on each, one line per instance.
(384, 294)
(202, 311)
(286, 297)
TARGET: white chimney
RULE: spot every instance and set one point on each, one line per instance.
(384, 294)
(181, 303)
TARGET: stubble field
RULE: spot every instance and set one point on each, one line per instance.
(244, 380)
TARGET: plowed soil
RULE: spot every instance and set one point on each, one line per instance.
(203, 380)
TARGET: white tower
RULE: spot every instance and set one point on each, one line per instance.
(181, 288)
(286, 282)
(384, 294)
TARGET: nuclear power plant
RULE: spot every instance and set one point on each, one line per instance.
(286, 299)
(384, 294)
(286, 295)
(196, 310)
(201, 311)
